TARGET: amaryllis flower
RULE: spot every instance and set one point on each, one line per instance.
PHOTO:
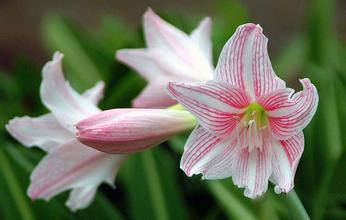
(250, 123)
(171, 55)
(68, 163)
(132, 130)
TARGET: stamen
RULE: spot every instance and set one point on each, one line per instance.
(252, 128)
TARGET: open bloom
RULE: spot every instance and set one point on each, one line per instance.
(68, 164)
(250, 123)
(131, 130)
(171, 55)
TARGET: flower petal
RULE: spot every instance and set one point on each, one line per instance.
(218, 106)
(81, 198)
(144, 61)
(158, 67)
(252, 170)
(202, 37)
(131, 130)
(95, 94)
(71, 166)
(44, 131)
(291, 116)
(161, 35)
(66, 104)
(285, 159)
(276, 99)
(201, 153)
(153, 96)
(244, 62)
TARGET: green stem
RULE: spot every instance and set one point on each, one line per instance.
(14, 187)
(297, 206)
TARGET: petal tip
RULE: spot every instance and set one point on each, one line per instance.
(58, 55)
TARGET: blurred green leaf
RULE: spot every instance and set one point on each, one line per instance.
(59, 36)
(152, 189)
(20, 203)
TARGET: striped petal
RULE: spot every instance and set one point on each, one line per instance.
(218, 106)
(287, 118)
(131, 130)
(285, 159)
(71, 166)
(276, 99)
(201, 153)
(66, 104)
(44, 131)
(252, 170)
(244, 62)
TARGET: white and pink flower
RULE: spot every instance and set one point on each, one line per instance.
(131, 130)
(172, 55)
(68, 163)
(250, 122)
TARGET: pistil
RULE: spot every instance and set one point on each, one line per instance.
(252, 129)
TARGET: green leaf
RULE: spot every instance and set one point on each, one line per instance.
(152, 188)
(17, 194)
(59, 36)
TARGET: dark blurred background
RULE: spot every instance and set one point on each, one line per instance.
(21, 20)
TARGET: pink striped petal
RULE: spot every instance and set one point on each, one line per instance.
(244, 62)
(201, 153)
(161, 35)
(218, 106)
(131, 130)
(66, 104)
(285, 159)
(276, 99)
(81, 198)
(252, 170)
(44, 131)
(71, 166)
(95, 94)
(153, 96)
(220, 166)
(202, 37)
(290, 117)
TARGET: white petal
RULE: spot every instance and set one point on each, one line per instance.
(162, 35)
(81, 198)
(44, 131)
(294, 114)
(95, 94)
(218, 106)
(285, 159)
(252, 170)
(244, 62)
(66, 104)
(154, 96)
(201, 153)
(202, 37)
(70, 166)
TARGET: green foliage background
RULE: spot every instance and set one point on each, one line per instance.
(150, 184)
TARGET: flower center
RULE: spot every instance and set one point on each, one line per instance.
(253, 127)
